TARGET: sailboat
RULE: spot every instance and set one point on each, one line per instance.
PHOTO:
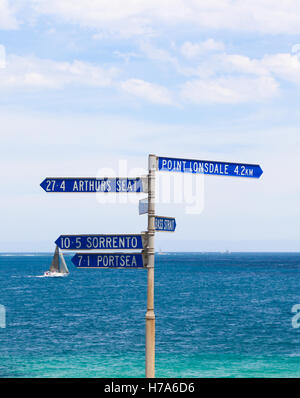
(58, 266)
(161, 253)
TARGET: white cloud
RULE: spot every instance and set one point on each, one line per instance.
(191, 50)
(148, 91)
(229, 79)
(225, 64)
(236, 63)
(231, 90)
(33, 72)
(284, 66)
(271, 67)
(140, 17)
(7, 16)
(157, 54)
(213, 59)
(220, 78)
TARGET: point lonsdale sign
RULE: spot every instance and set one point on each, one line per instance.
(209, 167)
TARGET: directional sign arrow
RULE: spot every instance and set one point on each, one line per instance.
(93, 185)
(167, 224)
(101, 242)
(209, 167)
(109, 260)
(143, 206)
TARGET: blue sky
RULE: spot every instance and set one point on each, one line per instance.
(86, 84)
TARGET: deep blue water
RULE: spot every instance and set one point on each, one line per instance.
(217, 315)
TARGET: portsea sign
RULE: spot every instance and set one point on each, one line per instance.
(144, 241)
(109, 260)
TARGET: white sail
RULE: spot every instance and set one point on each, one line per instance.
(54, 267)
(63, 266)
(58, 266)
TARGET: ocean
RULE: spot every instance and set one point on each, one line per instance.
(217, 315)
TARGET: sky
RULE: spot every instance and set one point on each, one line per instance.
(92, 87)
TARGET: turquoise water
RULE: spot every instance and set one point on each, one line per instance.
(217, 315)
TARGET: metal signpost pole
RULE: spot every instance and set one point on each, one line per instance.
(150, 316)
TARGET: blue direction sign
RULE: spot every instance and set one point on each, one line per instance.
(167, 224)
(92, 185)
(143, 206)
(101, 242)
(109, 260)
(209, 167)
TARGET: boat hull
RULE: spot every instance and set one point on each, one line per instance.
(50, 274)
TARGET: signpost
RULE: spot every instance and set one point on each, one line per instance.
(150, 315)
(109, 260)
(144, 241)
(102, 242)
